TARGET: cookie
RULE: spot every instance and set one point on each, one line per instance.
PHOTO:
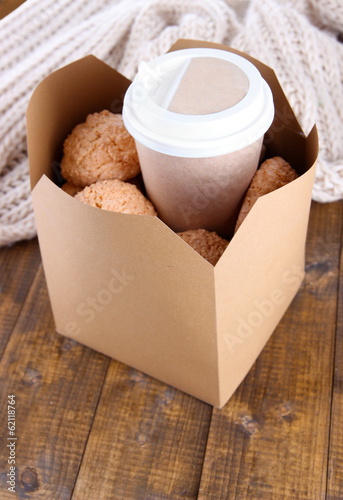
(70, 188)
(116, 196)
(272, 174)
(208, 244)
(99, 149)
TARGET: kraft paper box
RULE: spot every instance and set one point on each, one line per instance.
(129, 287)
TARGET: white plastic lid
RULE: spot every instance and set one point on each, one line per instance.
(148, 120)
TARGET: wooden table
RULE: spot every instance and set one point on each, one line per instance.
(92, 428)
(6, 6)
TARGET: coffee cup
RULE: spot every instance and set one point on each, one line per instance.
(198, 117)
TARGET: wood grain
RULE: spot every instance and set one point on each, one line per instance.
(86, 433)
(18, 266)
(147, 442)
(335, 466)
(271, 439)
(57, 384)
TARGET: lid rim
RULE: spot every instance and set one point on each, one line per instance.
(204, 135)
(203, 149)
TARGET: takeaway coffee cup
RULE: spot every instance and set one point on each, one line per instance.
(198, 117)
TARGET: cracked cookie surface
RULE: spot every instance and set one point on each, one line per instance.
(116, 196)
(99, 149)
(272, 174)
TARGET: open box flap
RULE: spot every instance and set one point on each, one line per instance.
(56, 108)
(270, 247)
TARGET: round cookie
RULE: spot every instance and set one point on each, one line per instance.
(116, 196)
(272, 174)
(99, 149)
(208, 244)
(70, 188)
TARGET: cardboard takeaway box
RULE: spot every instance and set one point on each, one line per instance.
(129, 287)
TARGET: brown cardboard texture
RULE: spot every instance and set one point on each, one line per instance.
(129, 287)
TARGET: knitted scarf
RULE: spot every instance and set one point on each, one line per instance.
(297, 38)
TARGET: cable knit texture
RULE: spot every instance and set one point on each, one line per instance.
(298, 38)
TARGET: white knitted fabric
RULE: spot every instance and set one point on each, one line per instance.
(295, 37)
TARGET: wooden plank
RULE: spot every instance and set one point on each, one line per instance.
(18, 266)
(7, 6)
(270, 441)
(57, 384)
(335, 468)
(147, 441)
